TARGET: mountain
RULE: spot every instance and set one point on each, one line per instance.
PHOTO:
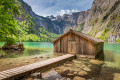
(67, 22)
(103, 20)
(32, 27)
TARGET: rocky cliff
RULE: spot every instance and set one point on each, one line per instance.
(103, 20)
(67, 22)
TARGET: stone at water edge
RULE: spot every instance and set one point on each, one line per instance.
(36, 75)
(17, 46)
(69, 65)
(78, 78)
(40, 56)
(96, 62)
(29, 79)
(1, 55)
(26, 61)
(75, 73)
(52, 75)
(70, 74)
(117, 76)
(86, 69)
(82, 73)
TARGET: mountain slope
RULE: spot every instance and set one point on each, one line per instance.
(67, 22)
(103, 20)
(32, 27)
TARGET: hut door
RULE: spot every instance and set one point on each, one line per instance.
(72, 47)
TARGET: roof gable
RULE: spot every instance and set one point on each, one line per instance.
(85, 36)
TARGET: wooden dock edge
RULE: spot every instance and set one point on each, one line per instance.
(46, 66)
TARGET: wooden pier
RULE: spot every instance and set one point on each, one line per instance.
(18, 72)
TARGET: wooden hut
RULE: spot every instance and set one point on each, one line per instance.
(78, 43)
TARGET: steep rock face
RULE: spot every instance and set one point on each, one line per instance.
(103, 20)
(67, 22)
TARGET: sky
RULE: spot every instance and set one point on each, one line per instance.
(58, 7)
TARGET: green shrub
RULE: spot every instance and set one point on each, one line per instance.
(118, 40)
(103, 37)
(10, 41)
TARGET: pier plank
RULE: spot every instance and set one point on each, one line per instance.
(16, 72)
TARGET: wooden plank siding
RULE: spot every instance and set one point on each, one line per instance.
(83, 45)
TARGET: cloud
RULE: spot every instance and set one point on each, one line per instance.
(62, 12)
(54, 7)
(75, 10)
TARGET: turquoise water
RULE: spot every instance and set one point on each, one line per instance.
(111, 51)
(115, 47)
(34, 44)
(31, 49)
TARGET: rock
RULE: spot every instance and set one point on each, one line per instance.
(26, 61)
(83, 65)
(96, 62)
(1, 55)
(82, 73)
(16, 46)
(40, 56)
(36, 75)
(70, 74)
(29, 79)
(34, 58)
(48, 57)
(69, 65)
(75, 73)
(116, 76)
(77, 62)
(52, 75)
(86, 69)
(78, 78)
(37, 79)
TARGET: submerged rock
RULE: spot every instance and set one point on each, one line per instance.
(40, 56)
(36, 75)
(82, 73)
(96, 62)
(86, 69)
(26, 61)
(17, 46)
(68, 65)
(1, 55)
(52, 75)
(78, 78)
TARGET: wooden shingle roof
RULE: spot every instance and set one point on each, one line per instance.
(85, 36)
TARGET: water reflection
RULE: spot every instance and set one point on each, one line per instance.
(31, 48)
(26, 52)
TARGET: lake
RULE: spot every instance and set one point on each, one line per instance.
(111, 51)
(31, 48)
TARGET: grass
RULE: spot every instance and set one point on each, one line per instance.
(118, 40)
(103, 36)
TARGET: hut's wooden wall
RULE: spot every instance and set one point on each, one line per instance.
(99, 48)
(83, 46)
